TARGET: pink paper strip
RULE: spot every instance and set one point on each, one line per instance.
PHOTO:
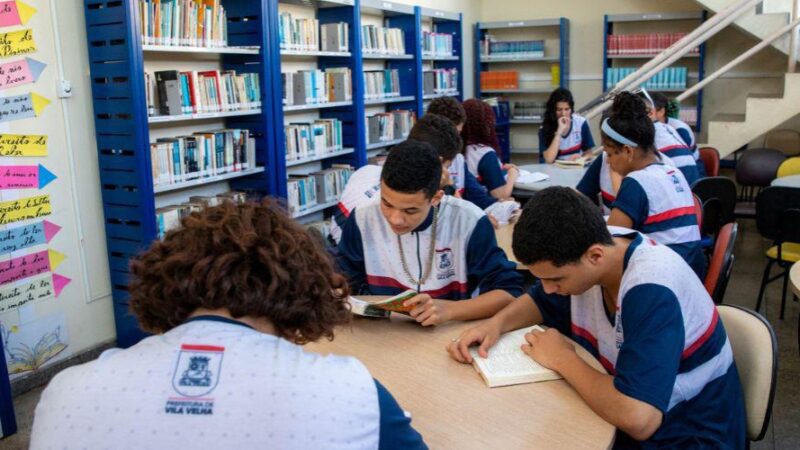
(24, 267)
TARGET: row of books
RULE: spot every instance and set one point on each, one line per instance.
(643, 44)
(389, 126)
(440, 81)
(437, 44)
(526, 48)
(500, 79)
(528, 110)
(201, 155)
(669, 78)
(383, 41)
(195, 23)
(308, 35)
(170, 92)
(170, 217)
(317, 86)
(307, 140)
(381, 83)
(306, 191)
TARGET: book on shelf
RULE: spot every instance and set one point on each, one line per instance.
(668, 78)
(334, 37)
(306, 191)
(170, 217)
(389, 126)
(381, 83)
(437, 44)
(382, 308)
(188, 23)
(643, 44)
(382, 41)
(517, 49)
(307, 140)
(507, 79)
(201, 155)
(507, 364)
(308, 87)
(527, 110)
(299, 34)
(174, 93)
(440, 81)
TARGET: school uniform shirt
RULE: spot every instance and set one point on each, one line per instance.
(687, 135)
(578, 139)
(364, 184)
(217, 383)
(664, 345)
(668, 142)
(660, 203)
(466, 255)
(483, 163)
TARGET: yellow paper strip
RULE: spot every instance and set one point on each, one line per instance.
(23, 145)
(17, 43)
(24, 209)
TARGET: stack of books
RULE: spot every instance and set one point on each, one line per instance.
(170, 217)
(528, 110)
(515, 49)
(308, 35)
(668, 79)
(500, 80)
(440, 82)
(643, 44)
(389, 126)
(316, 86)
(437, 44)
(308, 140)
(307, 191)
(189, 23)
(172, 93)
(382, 83)
(382, 41)
(201, 155)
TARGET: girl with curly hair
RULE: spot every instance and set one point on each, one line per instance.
(480, 139)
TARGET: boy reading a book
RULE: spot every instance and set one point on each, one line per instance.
(637, 307)
(415, 237)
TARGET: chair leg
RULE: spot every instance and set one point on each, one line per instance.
(764, 280)
(783, 296)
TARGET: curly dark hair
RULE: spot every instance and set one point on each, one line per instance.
(480, 125)
(440, 133)
(550, 121)
(448, 107)
(558, 225)
(250, 258)
(628, 117)
(413, 166)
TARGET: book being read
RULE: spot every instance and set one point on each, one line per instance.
(580, 162)
(508, 365)
(382, 308)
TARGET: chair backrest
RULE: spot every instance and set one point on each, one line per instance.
(712, 217)
(710, 158)
(755, 352)
(722, 188)
(788, 167)
(721, 262)
(785, 140)
(758, 166)
(698, 211)
(778, 213)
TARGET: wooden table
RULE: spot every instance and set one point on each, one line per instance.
(559, 176)
(794, 279)
(504, 236)
(451, 406)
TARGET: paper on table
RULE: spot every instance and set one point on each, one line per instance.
(507, 364)
(526, 177)
(503, 212)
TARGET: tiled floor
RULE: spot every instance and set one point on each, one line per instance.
(784, 431)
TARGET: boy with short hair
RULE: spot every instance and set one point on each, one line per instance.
(637, 307)
(415, 237)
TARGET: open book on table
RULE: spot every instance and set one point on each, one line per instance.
(580, 162)
(507, 364)
(382, 308)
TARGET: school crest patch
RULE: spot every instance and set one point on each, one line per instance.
(195, 376)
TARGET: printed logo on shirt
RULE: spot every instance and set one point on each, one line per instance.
(372, 191)
(196, 375)
(676, 181)
(444, 264)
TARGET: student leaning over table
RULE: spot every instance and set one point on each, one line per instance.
(415, 237)
(638, 308)
(232, 295)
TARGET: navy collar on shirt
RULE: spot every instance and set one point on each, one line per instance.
(637, 239)
(425, 223)
(213, 318)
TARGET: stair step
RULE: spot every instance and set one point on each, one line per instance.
(728, 118)
(766, 96)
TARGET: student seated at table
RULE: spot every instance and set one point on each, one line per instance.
(415, 237)
(668, 142)
(654, 198)
(480, 139)
(662, 104)
(637, 307)
(464, 183)
(564, 134)
(232, 296)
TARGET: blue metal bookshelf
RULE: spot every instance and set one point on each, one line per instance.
(441, 22)
(648, 20)
(547, 29)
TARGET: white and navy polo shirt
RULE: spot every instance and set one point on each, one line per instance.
(578, 139)
(217, 383)
(484, 164)
(660, 203)
(364, 184)
(664, 345)
(668, 142)
(457, 171)
(466, 255)
(687, 135)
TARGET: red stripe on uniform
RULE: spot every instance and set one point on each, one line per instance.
(607, 197)
(343, 209)
(584, 333)
(702, 339)
(671, 147)
(670, 214)
(202, 348)
(385, 282)
(454, 286)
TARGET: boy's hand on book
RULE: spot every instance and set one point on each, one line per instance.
(548, 348)
(486, 334)
(428, 311)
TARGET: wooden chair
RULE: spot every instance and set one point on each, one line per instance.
(721, 264)
(710, 158)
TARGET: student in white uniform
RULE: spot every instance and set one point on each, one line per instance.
(232, 296)
(668, 142)
(480, 139)
(564, 134)
(661, 103)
